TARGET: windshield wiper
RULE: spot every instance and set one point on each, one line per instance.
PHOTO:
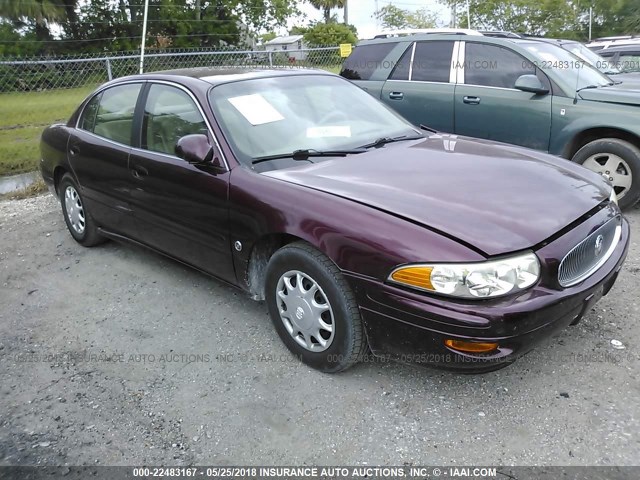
(384, 140)
(306, 154)
(587, 87)
(428, 129)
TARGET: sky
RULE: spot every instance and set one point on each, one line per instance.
(361, 13)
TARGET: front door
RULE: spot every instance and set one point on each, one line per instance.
(182, 209)
(488, 106)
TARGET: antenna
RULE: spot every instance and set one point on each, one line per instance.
(575, 99)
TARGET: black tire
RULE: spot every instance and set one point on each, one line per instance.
(348, 343)
(623, 149)
(88, 236)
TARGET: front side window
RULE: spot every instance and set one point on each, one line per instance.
(114, 118)
(432, 62)
(493, 66)
(169, 115)
(629, 62)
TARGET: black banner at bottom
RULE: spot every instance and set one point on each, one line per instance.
(319, 472)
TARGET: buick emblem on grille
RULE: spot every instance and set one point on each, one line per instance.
(599, 244)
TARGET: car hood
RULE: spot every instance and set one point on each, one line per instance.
(496, 198)
(625, 93)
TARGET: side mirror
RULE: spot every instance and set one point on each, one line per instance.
(194, 149)
(530, 83)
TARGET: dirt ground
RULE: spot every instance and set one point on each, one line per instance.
(118, 356)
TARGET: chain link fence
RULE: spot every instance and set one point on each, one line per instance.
(39, 74)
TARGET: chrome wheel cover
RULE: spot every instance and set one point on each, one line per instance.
(75, 212)
(305, 311)
(614, 169)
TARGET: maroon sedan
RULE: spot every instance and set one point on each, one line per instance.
(359, 230)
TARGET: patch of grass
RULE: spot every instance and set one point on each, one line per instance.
(23, 116)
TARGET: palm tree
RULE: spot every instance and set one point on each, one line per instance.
(326, 6)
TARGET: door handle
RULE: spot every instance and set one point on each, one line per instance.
(139, 172)
(471, 100)
(74, 151)
(396, 95)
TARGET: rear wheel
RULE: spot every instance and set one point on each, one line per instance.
(313, 308)
(76, 216)
(618, 162)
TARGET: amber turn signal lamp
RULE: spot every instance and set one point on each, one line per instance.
(415, 276)
(470, 347)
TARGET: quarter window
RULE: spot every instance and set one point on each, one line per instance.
(88, 120)
(114, 117)
(169, 114)
(432, 62)
(401, 70)
(493, 66)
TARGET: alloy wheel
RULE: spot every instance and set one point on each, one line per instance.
(614, 169)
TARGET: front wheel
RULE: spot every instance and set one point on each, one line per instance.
(618, 162)
(313, 308)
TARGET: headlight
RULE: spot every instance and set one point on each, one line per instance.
(613, 197)
(472, 280)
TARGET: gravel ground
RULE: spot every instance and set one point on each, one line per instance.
(118, 356)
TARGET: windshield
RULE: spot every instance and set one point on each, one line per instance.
(566, 67)
(278, 115)
(593, 58)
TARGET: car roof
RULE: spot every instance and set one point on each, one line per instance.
(621, 48)
(496, 40)
(217, 76)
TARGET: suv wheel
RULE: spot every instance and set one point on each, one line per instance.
(313, 308)
(618, 162)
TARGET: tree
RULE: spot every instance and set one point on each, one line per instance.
(35, 13)
(395, 18)
(326, 6)
(330, 34)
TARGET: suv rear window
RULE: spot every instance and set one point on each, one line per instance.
(365, 59)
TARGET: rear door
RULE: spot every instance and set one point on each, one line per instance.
(421, 87)
(488, 106)
(98, 153)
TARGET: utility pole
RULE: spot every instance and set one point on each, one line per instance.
(452, 23)
(590, 21)
(468, 15)
(144, 34)
(346, 12)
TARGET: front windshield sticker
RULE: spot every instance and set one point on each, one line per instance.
(322, 132)
(256, 109)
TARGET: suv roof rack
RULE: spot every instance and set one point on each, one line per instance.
(500, 34)
(430, 31)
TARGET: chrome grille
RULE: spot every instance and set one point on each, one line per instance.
(590, 254)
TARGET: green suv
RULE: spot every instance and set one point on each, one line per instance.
(519, 91)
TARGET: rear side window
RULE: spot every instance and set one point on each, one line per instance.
(432, 62)
(364, 60)
(114, 119)
(493, 66)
